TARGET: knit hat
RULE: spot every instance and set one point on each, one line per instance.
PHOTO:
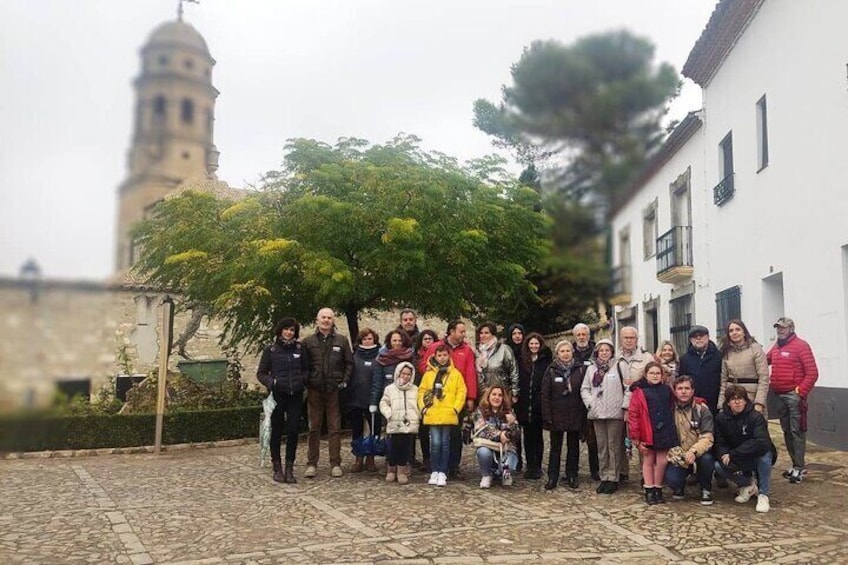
(601, 342)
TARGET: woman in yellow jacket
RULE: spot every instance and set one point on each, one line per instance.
(441, 396)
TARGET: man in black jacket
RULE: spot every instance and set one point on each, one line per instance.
(743, 446)
(702, 362)
(583, 348)
(330, 368)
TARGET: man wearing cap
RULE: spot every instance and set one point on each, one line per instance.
(702, 362)
(793, 375)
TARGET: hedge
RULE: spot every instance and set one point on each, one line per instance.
(39, 432)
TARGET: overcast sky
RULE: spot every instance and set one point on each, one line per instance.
(308, 68)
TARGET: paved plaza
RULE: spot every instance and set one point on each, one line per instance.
(218, 506)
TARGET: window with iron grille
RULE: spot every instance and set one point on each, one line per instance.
(680, 313)
(728, 307)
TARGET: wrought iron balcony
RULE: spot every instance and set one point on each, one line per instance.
(674, 255)
(620, 285)
(723, 191)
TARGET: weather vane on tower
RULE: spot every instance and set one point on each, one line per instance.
(180, 7)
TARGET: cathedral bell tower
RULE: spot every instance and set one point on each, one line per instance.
(172, 132)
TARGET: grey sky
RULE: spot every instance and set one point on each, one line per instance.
(318, 68)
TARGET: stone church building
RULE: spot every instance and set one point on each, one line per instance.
(77, 336)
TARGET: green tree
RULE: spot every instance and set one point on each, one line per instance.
(589, 114)
(356, 227)
(597, 104)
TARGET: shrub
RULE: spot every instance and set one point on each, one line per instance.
(43, 431)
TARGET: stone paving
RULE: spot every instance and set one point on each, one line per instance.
(218, 506)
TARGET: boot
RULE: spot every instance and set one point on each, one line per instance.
(403, 474)
(278, 472)
(369, 463)
(357, 466)
(391, 473)
(649, 496)
(290, 473)
(658, 495)
(552, 482)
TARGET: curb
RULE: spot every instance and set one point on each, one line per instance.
(124, 450)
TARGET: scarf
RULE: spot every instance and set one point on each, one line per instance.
(441, 374)
(602, 367)
(394, 356)
(485, 350)
(286, 342)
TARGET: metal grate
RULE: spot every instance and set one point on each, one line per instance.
(724, 190)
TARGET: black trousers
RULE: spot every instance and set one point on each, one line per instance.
(286, 416)
(534, 445)
(399, 449)
(424, 440)
(572, 453)
(359, 418)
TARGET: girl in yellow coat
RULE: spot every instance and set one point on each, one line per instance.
(441, 396)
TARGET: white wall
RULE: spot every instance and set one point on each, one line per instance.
(789, 218)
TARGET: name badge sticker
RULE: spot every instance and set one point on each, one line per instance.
(336, 349)
(558, 380)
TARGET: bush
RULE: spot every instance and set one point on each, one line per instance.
(40, 432)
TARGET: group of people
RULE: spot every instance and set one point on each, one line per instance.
(702, 413)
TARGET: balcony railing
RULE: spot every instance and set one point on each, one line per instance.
(620, 280)
(674, 249)
(723, 191)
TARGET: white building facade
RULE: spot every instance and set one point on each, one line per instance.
(761, 172)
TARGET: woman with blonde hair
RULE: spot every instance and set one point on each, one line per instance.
(668, 359)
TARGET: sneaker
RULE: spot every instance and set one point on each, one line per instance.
(706, 497)
(787, 473)
(486, 482)
(434, 478)
(796, 476)
(678, 494)
(442, 480)
(310, 472)
(506, 479)
(763, 503)
(745, 494)
(336, 472)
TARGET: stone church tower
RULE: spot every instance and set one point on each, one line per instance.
(172, 133)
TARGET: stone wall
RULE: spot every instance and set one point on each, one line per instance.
(52, 331)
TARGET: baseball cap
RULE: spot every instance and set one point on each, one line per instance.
(784, 323)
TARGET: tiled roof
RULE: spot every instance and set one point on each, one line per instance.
(728, 21)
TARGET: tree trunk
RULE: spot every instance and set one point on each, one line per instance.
(352, 314)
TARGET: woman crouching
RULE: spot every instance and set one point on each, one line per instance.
(496, 433)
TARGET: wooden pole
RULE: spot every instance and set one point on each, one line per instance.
(164, 353)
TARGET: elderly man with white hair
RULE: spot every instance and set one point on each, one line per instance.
(583, 348)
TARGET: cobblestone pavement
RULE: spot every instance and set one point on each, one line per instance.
(218, 506)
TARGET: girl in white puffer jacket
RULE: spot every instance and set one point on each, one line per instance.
(399, 406)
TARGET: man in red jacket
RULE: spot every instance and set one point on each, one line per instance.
(793, 375)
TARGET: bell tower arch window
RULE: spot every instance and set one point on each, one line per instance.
(187, 111)
(159, 110)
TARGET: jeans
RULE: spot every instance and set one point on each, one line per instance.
(440, 448)
(290, 406)
(675, 477)
(762, 465)
(489, 461)
(572, 453)
(317, 402)
(789, 412)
